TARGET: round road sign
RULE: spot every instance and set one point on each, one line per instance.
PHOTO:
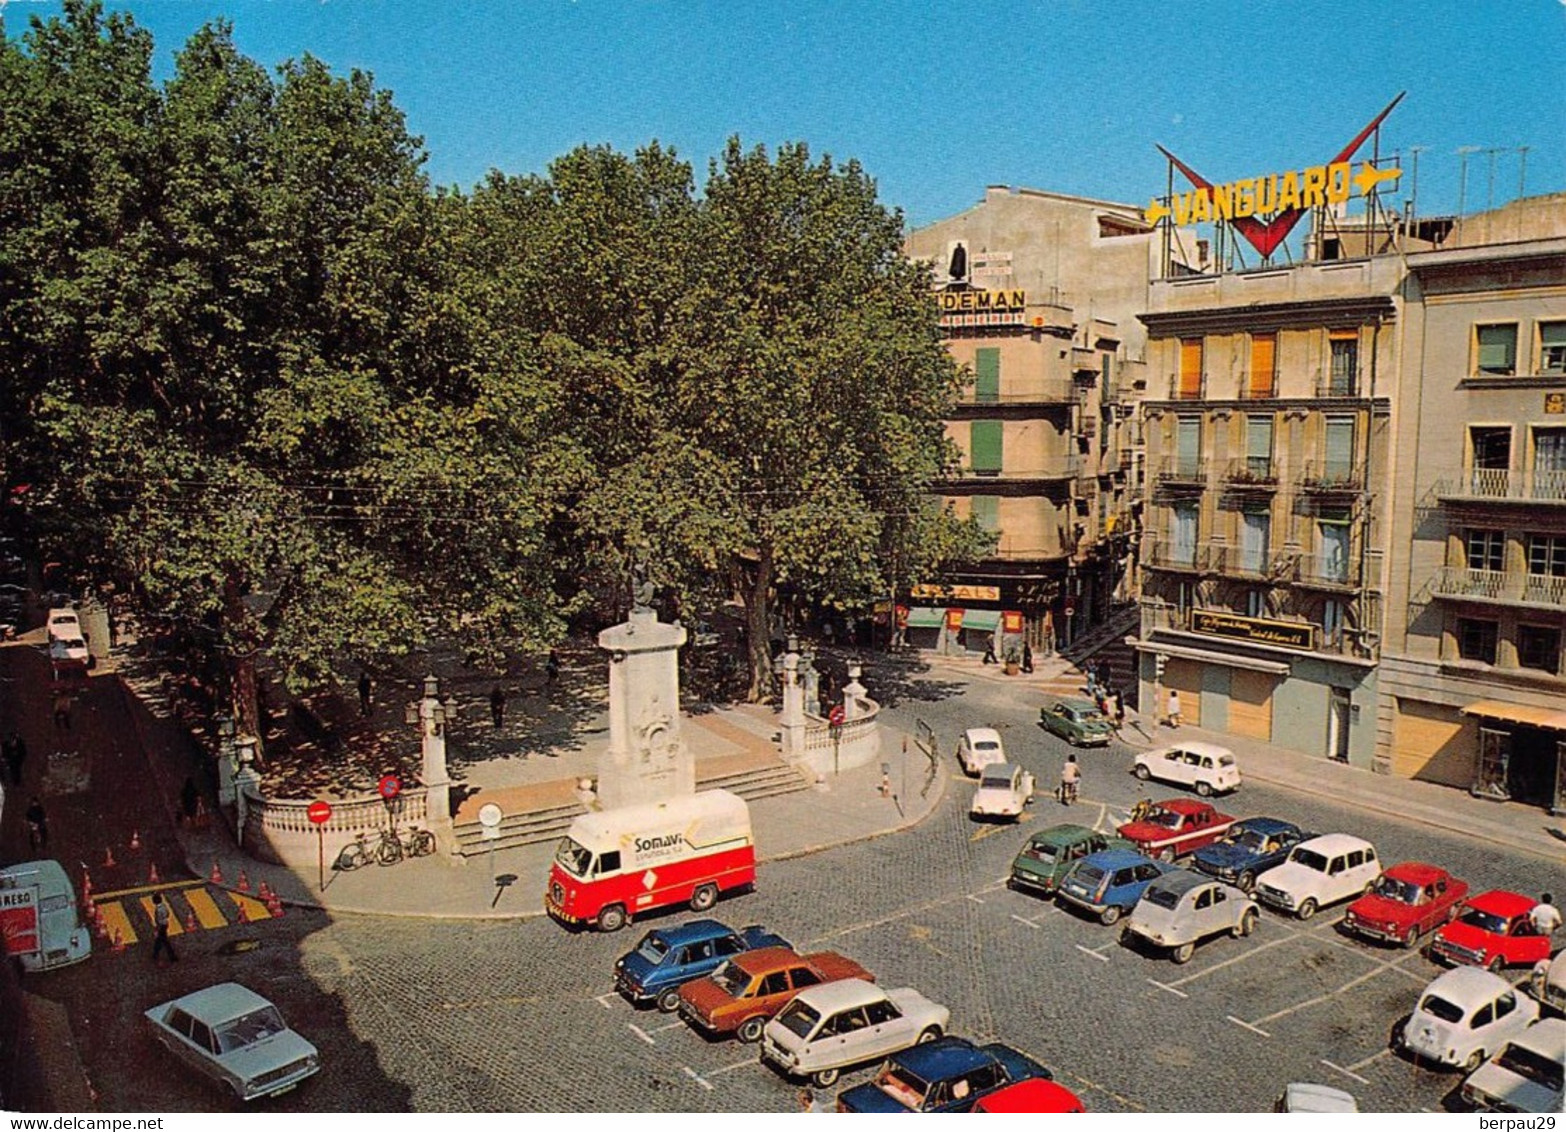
(319, 812)
(489, 814)
(390, 787)
(836, 716)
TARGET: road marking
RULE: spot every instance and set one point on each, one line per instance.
(174, 924)
(694, 1076)
(1380, 1053)
(1248, 1026)
(116, 922)
(992, 830)
(147, 888)
(1094, 954)
(736, 1065)
(1170, 989)
(208, 915)
(1235, 959)
(974, 898)
(1334, 993)
(1020, 920)
(250, 910)
(670, 1026)
(600, 1000)
(1345, 1072)
(637, 1030)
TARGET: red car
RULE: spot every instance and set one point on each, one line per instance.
(1406, 902)
(1493, 931)
(1176, 827)
(1034, 1095)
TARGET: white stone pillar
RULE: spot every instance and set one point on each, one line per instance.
(793, 709)
(433, 716)
(647, 760)
(852, 691)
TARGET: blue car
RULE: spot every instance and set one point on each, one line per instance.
(1250, 848)
(668, 958)
(1109, 883)
(946, 1075)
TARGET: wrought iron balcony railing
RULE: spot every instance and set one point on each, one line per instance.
(1251, 472)
(1506, 486)
(1332, 477)
(1500, 586)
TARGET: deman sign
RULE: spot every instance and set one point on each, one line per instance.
(1253, 630)
(982, 308)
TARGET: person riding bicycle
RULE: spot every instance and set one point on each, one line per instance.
(1070, 777)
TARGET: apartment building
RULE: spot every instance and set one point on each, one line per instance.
(1038, 294)
(1472, 688)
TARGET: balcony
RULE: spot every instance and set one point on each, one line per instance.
(1086, 362)
(1245, 562)
(1327, 572)
(1252, 389)
(1332, 477)
(1173, 556)
(1065, 468)
(1500, 587)
(1057, 391)
(1251, 473)
(1188, 388)
(1182, 474)
(1333, 383)
(1501, 485)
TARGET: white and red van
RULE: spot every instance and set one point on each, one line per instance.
(38, 920)
(617, 863)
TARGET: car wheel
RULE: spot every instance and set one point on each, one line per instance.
(1183, 953)
(611, 919)
(1109, 915)
(669, 999)
(1306, 910)
(929, 1034)
(1142, 772)
(1496, 964)
(1247, 881)
(1246, 925)
(1399, 1029)
(750, 1029)
(825, 1078)
(1410, 936)
(1204, 790)
(1475, 1060)
(704, 898)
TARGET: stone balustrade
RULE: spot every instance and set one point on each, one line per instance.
(278, 830)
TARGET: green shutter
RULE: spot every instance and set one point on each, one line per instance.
(1258, 437)
(1340, 446)
(984, 446)
(1497, 349)
(986, 367)
(986, 509)
(1552, 333)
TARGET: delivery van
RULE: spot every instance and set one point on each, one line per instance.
(38, 919)
(617, 863)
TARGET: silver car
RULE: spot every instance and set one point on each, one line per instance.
(235, 1036)
(1180, 909)
(826, 1028)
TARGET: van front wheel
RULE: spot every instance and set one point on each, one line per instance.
(611, 919)
(704, 898)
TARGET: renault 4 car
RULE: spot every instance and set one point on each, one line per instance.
(1078, 722)
(668, 958)
(741, 996)
(1050, 853)
(1248, 849)
(1407, 901)
(1205, 767)
(1493, 930)
(1180, 909)
(1525, 1075)
(828, 1028)
(1463, 1016)
(948, 1075)
(1109, 884)
(1318, 872)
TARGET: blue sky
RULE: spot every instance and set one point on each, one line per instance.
(937, 101)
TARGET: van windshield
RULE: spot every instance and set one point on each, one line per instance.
(572, 857)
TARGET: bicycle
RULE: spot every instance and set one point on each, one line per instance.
(419, 843)
(389, 851)
(354, 855)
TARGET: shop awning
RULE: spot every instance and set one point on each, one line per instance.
(923, 617)
(984, 620)
(1551, 718)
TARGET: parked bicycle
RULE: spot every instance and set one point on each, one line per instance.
(354, 855)
(393, 847)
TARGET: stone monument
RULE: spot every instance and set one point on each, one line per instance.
(647, 760)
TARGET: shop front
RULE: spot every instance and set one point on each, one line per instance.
(1520, 754)
(980, 632)
(925, 627)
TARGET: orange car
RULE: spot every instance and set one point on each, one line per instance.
(740, 996)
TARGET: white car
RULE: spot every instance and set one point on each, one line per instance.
(235, 1036)
(980, 746)
(1303, 1096)
(826, 1028)
(1547, 982)
(1318, 872)
(1525, 1076)
(69, 652)
(63, 622)
(1003, 791)
(1205, 767)
(1462, 1016)
(1181, 908)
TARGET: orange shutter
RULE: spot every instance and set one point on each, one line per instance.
(1263, 350)
(1191, 367)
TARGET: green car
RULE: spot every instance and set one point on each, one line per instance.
(1050, 853)
(1078, 722)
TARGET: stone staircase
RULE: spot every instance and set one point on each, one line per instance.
(1104, 645)
(544, 812)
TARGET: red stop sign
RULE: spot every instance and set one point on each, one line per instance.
(390, 787)
(319, 812)
(836, 716)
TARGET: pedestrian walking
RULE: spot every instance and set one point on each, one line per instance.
(1546, 917)
(189, 799)
(15, 756)
(989, 652)
(497, 706)
(1027, 658)
(37, 826)
(160, 921)
(552, 666)
(366, 688)
(62, 711)
(1120, 710)
(1174, 708)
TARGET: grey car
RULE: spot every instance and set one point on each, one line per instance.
(236, 1037)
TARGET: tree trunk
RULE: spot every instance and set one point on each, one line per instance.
(758, 626)
(240, 659)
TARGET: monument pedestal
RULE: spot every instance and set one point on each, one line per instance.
(647, 760)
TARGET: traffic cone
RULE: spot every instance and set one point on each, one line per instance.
(152, 874)
(264, 893)
(274, 905)
(202, 818)
(244, 917)
(135, 841)
(119, 944)
(244, 881)
(216, 875)
(108, 857)
(99, 930)
(86, 881)
(190, 921)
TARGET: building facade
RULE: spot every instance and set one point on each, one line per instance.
(1038, 294)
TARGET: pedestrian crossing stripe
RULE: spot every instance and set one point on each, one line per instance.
(208, 915)
(197, 899)
(253, 909)
(116, 923)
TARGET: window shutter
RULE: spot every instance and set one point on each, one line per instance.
(1258, 437)
(1263, 352)
(1190, 367)
(986, 368)
(1497, 349)
(1188, 442)
(1340, 446)
(984, 447)
(986, 510)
